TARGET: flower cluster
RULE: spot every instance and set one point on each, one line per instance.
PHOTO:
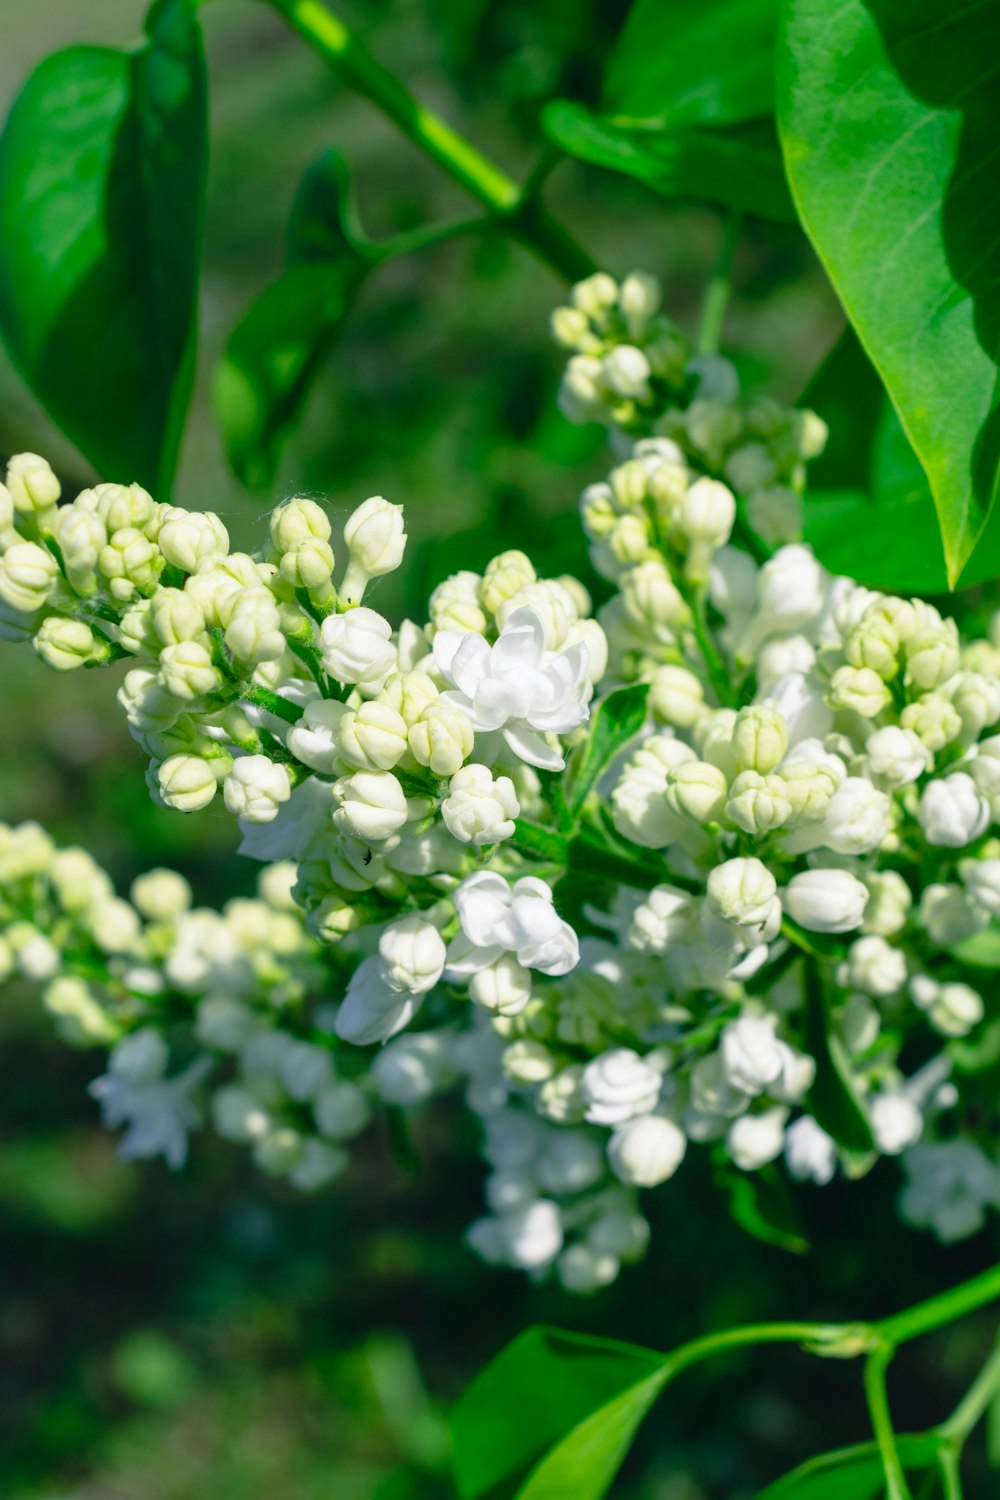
(713, 866)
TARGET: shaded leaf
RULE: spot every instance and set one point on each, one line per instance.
(889, 117)
(277, 348)
(617, 719)
(761, 1203)
(982, 950)
(833, 1099)
(687, 62)
(739, 166)
(855, 1472)
(543, 1385)
(102, 176)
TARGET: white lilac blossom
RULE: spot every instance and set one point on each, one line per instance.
(612, 922)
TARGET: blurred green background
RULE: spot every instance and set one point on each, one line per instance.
(174, 1338)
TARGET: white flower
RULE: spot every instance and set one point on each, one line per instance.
(341, 1110)
(480, 808)
(371, 1010)
(157, 1111)
(897, 756)
(618, 1085)
(533, 1236)
(646, 1151)
(255, 788)
(981, 878)
(516, 686)
(951, 1184)
(357, 647)
(826, 900)
(314, 739)
(896, 1122)
(952, 812)
(412, 953)
(810, 1153)
(583, 1269)
(520, 919)
(873, 967)
(952, 1008)
(371, 805)
(411, 1068)
(752, 1056)
(745, 892)
(755, 1139)
(857, 819)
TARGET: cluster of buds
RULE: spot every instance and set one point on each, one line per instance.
(756, 913)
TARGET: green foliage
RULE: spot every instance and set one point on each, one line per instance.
(761, 1203)
(684, 62)
(833, 1099)
(279, 345)
(102, 169)
(615, 721)
(856, 1472)
(889, 122)
(508, 1428)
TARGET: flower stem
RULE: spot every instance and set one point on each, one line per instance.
(525, 218)
(713, 312)
(876, 1365)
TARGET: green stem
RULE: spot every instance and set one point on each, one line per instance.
(876, 1365)
(262, 697)
(428, 235)
(525, 218)
(946, 1307)
(715, 665)
(949, 1468)
(717, 294)
(974, 1403)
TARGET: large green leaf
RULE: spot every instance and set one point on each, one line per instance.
(102, 171)
(616, 720)
(277, 348)
(851, 1473)
(550, 1393)
(693, 63)
(889, 117)
(869, 511)
(739, 166)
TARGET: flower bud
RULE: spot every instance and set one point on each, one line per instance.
(175, 616)
(626, 372)
(934, 720)
(976, 700)
(372, 737)
(187, 670)
(618, 1086)
(307, 565)
(81, 534)
(858, 690)
(651, 597)
(252, 624)
(161, 895)
(187, 782)
(952, 1008)
(705, 519)
(932, 656)
(776, 513)
(981, 878)
(697, 791)
(676, 696)
(371, 805)
(744, 891)
(65, 644)
(80, 1019)
(412, 953)
(480, 809)
(28, 576)
(639, 300)
(191, 540)
(889, 902)
(570, 328)
(505, 576)
(255, 788)
(376, 541)
(873, 967)
(341, 1110)
(595, 295)
(149, 706)
(756, 1139)
(760, 739)
(315, 739)
(948, 915)
(873, 643)
(952, 812)
(503, 988)
(646, 1151)
(357, 647)
(129, 563)
(758, 804)
(299, 520)
(826, 900)
(857, 819)
(31, 483)
(897, 756)
(442, 738)
(123, 505)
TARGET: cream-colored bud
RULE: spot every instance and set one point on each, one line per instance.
(696, 791)
(64, 644)
(308, 564)
(376, 540)
(676, 696)
(873, 643)
(758, 804)
(858, 690)
(175, 616)
(187, 670)
(161, 895)
(370, 805)
(28, 576)
(373, 737)
(651, 596)
(31, 483)
(255, 788)
(191, 540)
(932, 656)
(149, 706)
(123, 505)
(442, 739)
(187, 782)
(130, 563)
(934, 719)
(760, 738)
(299, 520)
(505, 575)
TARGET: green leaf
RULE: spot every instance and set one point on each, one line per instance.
(102, 176)
(851, 1473)
(982, 950)
(889, 118)
(761, 1203)
(687, 62)
(282, 341)
(544, 1385)
(833, 1099)
(617, 719)
(739, 166)
(869, 511)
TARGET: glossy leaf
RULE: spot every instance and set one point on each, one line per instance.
(833, 1099)
(688, 62)
(739, 166)
(538, 1395)
(102, 174)
(869, 511)
(851, 1473)
(761, 1204)
(282, 341)
(617, 719)
(889, 116)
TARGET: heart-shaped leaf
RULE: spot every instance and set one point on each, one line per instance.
(102, 173)
(889, 117)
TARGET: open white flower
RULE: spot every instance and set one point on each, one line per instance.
(498, 918)
(516, 686)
